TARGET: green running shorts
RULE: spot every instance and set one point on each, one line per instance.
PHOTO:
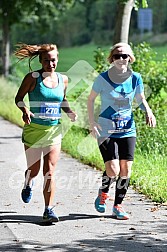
(37, 136)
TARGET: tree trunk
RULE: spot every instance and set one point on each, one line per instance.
(121, 33)
(5, 46)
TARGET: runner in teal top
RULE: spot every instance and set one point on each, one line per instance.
(115, 129)
(42, 130)
(45, 102)
(116, 117)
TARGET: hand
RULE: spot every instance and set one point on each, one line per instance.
(27, 116)
(150, 119)
(72, 115)
(94, 129)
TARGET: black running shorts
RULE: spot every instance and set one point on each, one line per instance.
(117, 148)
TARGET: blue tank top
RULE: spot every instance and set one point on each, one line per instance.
(45, 102)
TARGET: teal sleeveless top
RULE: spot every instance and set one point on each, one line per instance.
(45, 102)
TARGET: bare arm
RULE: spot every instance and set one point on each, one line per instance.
(90, 105)
(65, 105)
(143, 104)
(25, 87)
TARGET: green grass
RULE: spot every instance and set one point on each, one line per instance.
(8, 109)
(68, 57)
(161, 51)
(84, 148)
(149, 176)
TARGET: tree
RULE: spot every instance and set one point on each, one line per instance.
(15, 11)
(124, 8)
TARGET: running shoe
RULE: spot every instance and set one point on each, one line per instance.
(100, 202)
(120, 213)
(26, 194)
(50, 216)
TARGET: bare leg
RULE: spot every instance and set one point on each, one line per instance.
(51, 156)
(109, 176)
(125, 168)
(112, 168)
(33, 156)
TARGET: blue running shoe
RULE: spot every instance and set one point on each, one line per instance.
(26, 194)
(50, 216)
(120, 213)
(100, 202)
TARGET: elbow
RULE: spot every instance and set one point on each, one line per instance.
(90, 100)
(18, 101)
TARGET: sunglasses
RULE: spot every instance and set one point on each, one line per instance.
(118, 56)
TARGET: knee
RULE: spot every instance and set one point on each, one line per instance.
(125, 173)
(48, 170)
(48, 174)
(125, 168)
(112, 174)
(113, 171)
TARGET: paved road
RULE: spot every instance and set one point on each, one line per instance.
(80, 227)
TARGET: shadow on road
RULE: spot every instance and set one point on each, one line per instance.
(15, 218)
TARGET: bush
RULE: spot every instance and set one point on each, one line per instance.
(153, 72)
(154, 77)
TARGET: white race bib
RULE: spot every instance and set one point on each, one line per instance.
(120, 124)
(50, 110)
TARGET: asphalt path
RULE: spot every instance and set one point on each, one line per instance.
(80, 228)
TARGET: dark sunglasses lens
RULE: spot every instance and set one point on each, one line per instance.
(118, 56)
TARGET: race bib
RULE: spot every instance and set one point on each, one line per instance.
(120, 124)
(50, 110)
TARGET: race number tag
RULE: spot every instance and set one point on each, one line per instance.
(50, 110)
(120, 124)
